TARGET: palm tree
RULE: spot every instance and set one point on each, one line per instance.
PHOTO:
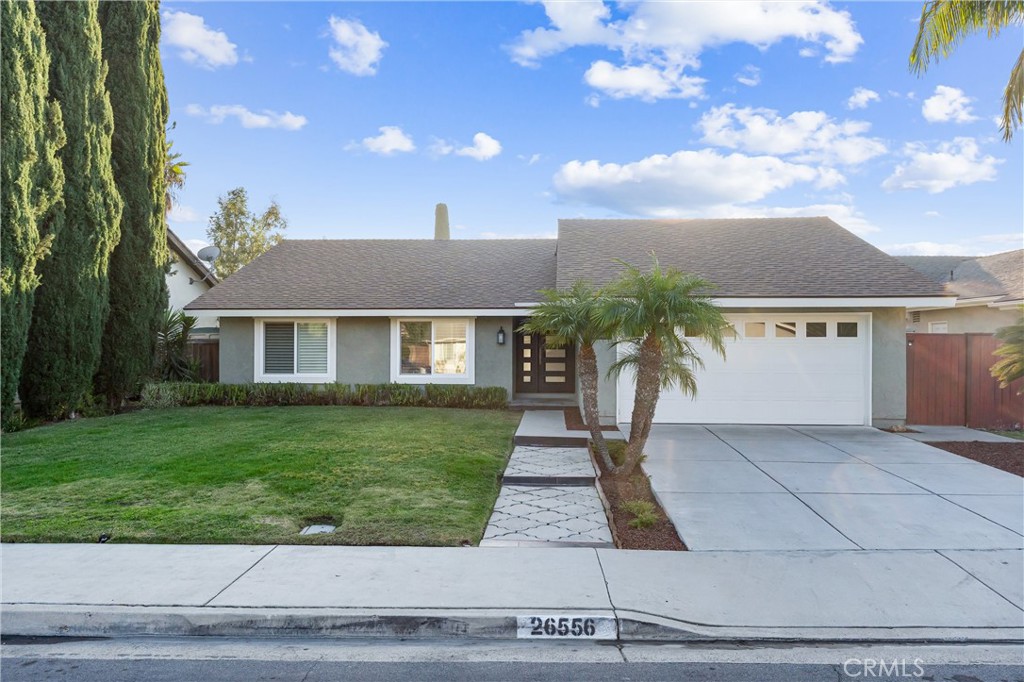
(572, 316)
(174, 177)
(649, 310)
(1010, 366)
(945, 23)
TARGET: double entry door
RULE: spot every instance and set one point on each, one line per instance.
(540, 368)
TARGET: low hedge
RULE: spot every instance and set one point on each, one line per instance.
(172, 394)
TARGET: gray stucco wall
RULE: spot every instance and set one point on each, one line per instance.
(888, 367)
(364, 350)
(976, 319)
(494, 362)
(236, 350)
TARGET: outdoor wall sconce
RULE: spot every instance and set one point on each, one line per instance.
(501, 336)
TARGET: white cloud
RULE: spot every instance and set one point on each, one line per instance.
(932, 214)
(861, 97)
(984, 245)
(658, 40)
(647, 82)
(948, 104)
(484, 147)
(749, 75)
(182, 214)
(391, 140)
(953, 163)
(676, 185)
(195, 244)
(249, 119)
(356, 49)
(197, 43)
(530, 160)
(809, 136)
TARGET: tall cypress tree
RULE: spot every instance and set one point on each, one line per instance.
(138, 290)
(71, 303)
(30, 180)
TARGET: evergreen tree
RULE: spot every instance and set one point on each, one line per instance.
(30, 180)
(138, 290)
(71, 303)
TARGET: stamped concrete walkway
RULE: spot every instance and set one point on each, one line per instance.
(548, 499)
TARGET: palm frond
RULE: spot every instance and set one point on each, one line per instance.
(1013, 100)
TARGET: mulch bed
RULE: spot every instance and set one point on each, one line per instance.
(574, 421)
(1006, 456)
(662, 535)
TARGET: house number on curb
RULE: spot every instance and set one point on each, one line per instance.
(565, 627)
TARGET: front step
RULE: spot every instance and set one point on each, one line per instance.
(551, 441)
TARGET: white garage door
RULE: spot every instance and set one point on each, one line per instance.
(778, 369)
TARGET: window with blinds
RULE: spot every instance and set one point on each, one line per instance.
(279, 348)
(295, 348)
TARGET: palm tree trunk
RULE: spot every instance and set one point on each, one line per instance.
(648, 389)
(588, 385)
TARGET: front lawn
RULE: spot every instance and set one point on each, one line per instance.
(387, 475)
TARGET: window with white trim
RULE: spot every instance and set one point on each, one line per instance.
(432, 351)
(294, 350)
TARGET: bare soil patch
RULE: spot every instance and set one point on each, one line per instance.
(1006, 456)
(623, 494)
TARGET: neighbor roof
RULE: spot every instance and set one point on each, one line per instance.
(1000, 275)
(179, 247)
(755, 257)
(351, 274)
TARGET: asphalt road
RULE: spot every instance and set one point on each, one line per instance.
(183, 660)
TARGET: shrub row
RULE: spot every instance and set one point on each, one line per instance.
(179, 394)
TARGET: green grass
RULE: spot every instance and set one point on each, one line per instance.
(387, 475)
(1019, 435)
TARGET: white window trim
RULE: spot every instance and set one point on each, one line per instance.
(932, 325)
(396, 354)
(260, 377)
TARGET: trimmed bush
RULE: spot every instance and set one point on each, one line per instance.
(182, 394)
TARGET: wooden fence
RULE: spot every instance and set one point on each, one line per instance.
(207, 352)
(949, 384)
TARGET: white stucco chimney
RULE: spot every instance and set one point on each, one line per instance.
(441, 230)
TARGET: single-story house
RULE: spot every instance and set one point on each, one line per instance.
(989, 289)
(188, 279)
(818, 313)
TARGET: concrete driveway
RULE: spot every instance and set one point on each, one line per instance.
(828, 488)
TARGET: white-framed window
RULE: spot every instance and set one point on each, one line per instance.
(432, 350)
(295, 350)
(938, 327)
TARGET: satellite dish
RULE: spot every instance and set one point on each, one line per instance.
(208, 253)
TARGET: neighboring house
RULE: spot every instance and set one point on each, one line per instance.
(188, 279)
(818, 313)
(990, 290)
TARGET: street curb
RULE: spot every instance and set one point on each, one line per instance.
(59, 620)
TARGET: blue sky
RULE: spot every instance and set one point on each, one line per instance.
(358, 117)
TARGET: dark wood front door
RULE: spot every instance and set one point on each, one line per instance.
(540, 369)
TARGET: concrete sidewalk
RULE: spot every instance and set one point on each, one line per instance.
(117, 590)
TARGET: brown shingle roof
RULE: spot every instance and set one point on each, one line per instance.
(999, 275)
(771, 257)
(351, 274)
